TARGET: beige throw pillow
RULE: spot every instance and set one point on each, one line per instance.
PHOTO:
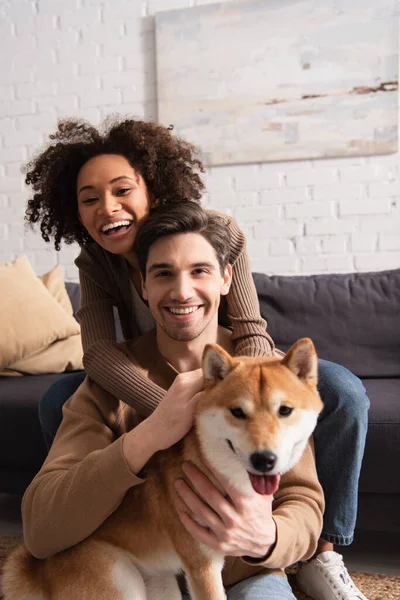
(54, 282)
(30, 318)
(63, 355)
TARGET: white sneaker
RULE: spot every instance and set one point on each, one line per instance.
(326, 578)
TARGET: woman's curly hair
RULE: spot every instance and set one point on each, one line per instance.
(167, 164)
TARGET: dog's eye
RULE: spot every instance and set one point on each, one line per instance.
(238, 413)
(285, 411)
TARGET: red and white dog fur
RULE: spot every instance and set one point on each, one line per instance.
(251, 426)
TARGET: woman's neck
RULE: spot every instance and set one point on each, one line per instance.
(133, 260)
(134, 271)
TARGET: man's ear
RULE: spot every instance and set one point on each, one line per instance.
(226, 280)
(144, 291)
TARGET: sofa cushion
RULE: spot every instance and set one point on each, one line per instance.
(353, 319)
(382, 451)
(22, 447)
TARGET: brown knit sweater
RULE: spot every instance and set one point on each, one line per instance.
(105, 283)
(85, 477)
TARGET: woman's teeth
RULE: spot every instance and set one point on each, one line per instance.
(183, 311)
(115, 225)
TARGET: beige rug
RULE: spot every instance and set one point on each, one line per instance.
(375, 587)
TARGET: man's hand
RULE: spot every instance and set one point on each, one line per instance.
(170, 421)
(173, 417)
(236, 525)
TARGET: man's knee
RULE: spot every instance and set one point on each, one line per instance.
(262, 587)
(341, 390)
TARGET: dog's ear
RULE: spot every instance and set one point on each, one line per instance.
(216, 364)
(302, 360)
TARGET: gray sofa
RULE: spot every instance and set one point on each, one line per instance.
(352, 319)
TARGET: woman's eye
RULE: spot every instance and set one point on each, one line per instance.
(123, 191)
(89, 200)
(285, 411)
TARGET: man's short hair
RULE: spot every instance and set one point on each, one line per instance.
(184, 217)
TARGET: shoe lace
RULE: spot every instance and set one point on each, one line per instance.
(341, 581)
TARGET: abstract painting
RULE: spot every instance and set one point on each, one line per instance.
(274, 80)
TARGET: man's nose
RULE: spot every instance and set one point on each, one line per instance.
(182, 288)
(109, 204)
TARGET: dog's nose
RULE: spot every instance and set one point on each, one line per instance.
(263, 461)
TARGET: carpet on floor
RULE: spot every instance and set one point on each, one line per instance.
(374, 586)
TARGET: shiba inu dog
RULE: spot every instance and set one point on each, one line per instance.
(251, 426)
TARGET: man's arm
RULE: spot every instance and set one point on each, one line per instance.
(89, 468)
(83, 479)
(297, 511)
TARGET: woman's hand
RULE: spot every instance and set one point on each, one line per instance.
(173, 417)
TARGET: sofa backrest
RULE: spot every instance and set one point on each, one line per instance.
(353, 319)
(74, 294)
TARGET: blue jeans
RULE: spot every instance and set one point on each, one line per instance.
(339, 441)
(260, 587)
(52, 402)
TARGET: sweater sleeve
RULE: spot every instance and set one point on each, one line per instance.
(108, 366)
(249, 328)
(83, 480)
(297, 511)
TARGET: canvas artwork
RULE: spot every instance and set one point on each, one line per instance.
(272, 80)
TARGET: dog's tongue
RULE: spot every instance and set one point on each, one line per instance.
(264, 484)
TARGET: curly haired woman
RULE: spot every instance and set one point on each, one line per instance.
(95, 187)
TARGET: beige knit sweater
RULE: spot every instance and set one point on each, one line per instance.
(105, 283)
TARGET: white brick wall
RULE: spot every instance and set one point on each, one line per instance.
(88, 58)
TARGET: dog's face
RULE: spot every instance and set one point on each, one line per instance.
(254, 422)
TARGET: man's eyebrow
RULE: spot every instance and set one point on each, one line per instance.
(207, 264)
(196, 265)
(156, 266)
(93, 187)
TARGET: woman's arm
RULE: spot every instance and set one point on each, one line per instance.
(103, 361)
(249, 329)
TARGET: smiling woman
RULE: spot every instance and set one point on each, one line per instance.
(112, 202)
(96, 187)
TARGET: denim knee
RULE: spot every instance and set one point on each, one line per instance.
(341, 390)
(53, 400)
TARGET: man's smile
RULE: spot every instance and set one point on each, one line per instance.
(183, 313)
(183, 310)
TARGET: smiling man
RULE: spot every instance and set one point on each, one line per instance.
(183, 281)
(103, 444)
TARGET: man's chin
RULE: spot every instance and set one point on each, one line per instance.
(182, 336)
